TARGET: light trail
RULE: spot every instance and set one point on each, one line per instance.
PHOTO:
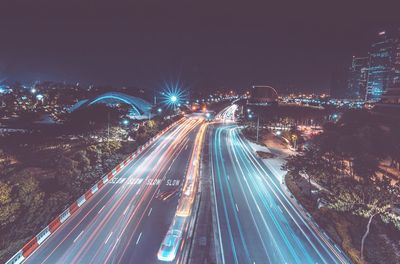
(175, 234)
(256, 221)
(115, 215)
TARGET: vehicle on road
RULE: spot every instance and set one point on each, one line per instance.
(170, 245)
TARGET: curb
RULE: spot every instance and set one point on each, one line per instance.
(53, 226)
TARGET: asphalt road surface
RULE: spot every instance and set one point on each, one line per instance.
(256, 221)
(126, 221)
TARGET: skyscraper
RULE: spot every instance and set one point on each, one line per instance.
(357, 81)
(382, 64)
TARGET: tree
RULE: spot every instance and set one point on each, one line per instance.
(82, 160)
(367, 201)
(9, 209)
(5, 193)
(68, 169)
(29, 194)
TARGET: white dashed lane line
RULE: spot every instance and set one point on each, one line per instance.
(137, 241)
(78, 236)
(108, 237)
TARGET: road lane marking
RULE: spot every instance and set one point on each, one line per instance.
(101, 209)
(126, 209)
(151, 209)
(137, 241)
(108, 237)
(237, 208)
(78, 236)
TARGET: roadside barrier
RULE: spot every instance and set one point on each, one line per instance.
(36, 241)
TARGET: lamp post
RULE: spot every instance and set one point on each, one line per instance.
(258, 126)
(294, 138)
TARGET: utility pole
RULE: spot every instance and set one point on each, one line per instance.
(258, 125)
(108, 128)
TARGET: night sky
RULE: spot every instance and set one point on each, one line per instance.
(208, 45)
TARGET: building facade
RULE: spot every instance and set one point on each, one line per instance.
(357, 78)
(383, 61)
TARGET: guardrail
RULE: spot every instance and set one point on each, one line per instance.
(52, 227)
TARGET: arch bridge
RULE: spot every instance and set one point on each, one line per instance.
(141, 109)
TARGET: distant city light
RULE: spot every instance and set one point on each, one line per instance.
(250, 116)
(278, 133)
(39, 97)
(174, 98)
(125, 122)
(208, 115)
(33, 90)
(159, 110)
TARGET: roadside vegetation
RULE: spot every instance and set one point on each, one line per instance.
(43, 172)
(353, 188)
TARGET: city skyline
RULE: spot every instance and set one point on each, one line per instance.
(206, 46)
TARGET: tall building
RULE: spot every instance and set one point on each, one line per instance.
(357, 78)
(382, 71)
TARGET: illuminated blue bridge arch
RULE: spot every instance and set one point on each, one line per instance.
(140, 108)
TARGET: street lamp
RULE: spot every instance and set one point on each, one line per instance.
(125, 122)
(294, 139)
(173, 99)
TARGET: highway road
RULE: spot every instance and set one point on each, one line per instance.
(126, 221)
(255, 221)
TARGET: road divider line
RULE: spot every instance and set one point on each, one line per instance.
(126, 209)
(151, 209)
(78, 236)
(108, 237)
(137, 241)
(101, 209)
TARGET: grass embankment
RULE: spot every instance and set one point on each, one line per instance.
(346, 229)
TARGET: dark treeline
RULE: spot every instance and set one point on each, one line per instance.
(346, 161)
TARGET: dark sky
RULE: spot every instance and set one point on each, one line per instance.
(207, 45)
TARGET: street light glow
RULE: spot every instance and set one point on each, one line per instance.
(173, 94)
